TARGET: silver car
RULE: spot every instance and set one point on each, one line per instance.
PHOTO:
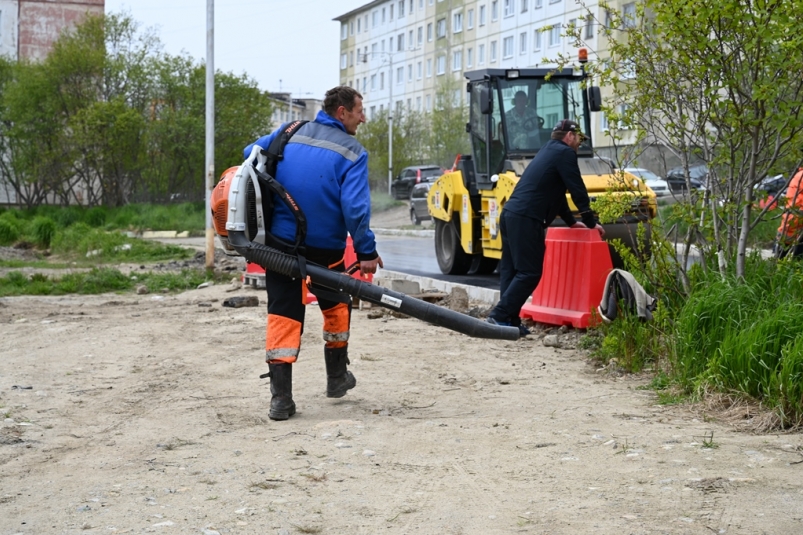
(653, 181)
(418, 201)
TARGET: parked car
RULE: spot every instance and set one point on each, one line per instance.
(653, 181)
(698, 175)
(772, 185)
(418, 201)
(402, 186)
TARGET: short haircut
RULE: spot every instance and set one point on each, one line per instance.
(341, 95)
(558, 135)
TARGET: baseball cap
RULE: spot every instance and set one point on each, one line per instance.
(567, 125)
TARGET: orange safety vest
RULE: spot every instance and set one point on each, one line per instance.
(792, 220)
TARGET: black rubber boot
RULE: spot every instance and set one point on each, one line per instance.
(282, 406)
(339, 379)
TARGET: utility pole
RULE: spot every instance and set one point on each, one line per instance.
(390, 126)
(210, 130)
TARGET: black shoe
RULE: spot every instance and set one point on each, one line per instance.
(338, 379)
(282, 405)
(495, 322)
(524, 331)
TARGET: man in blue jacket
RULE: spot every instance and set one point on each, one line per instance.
(536, 200)
(326, 171)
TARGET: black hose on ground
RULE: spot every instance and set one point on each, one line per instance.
(274, 260)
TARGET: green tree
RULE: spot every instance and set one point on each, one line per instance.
(717, 81)
(449, 118)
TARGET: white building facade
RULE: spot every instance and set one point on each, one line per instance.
(397, 51)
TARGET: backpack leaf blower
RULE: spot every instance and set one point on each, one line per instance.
(240, 211)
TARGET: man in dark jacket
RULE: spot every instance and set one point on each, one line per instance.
(536, 200)
(326, 171)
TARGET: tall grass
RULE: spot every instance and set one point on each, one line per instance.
(97, 280)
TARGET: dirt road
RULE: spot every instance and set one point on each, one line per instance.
(145, 414)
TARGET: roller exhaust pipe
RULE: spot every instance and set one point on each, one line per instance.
(274, 260)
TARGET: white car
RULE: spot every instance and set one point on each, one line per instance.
(653, 181)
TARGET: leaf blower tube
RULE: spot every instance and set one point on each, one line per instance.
(279, 262)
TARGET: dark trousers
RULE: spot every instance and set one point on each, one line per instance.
(286, 312)
(523, 249)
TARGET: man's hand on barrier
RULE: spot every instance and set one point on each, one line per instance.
(597, 227)
(600, 230)
(369, 266)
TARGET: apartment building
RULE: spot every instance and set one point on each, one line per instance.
(397, 51)
(28, 28)
(288, 108)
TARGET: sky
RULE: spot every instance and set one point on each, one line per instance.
(285, 45)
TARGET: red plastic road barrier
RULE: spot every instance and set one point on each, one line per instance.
(576, 264)
(255, 274)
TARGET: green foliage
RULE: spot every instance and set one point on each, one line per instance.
(107, 118)
(381, 201)
(710, 81)
(95, 281)
(81, 242)
(9, 228)
(42, 231)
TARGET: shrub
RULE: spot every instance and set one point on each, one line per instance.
(42, 230)
(9, 231)
(96, 216)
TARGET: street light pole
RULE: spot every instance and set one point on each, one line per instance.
(210, 131)
(390, 128)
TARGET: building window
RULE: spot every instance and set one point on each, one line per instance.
(603, 123)
(381, 81)
(554, 35)
(539, 4)
(364, 84)
(509, 4)
(374, 52)
(410, 42)
(629, 15)
(391, 12)
(399, 75)
(373, 112)
(411, 7)
(470, 58)
(375, 18)
(409, 104)
(417, 103)
(373, 82)
(351, 27)
(441, 28)
(481, 55)
(470, 21)
(457, 60)
(429, 32)
(482, 15)
(410, 72)
(494, 10)
(507, 47)
(590, 27)
(429, 68)
(493, 52)
(383, 15)
(524, 5)
(429, 102)
(400, 42)
(344, 31)
(358, 25)
(419, 70)
(440, 68)
(537, 40)
(420, 36)
(401, 7)
(457, 23)
(523, 43)
(351, 59)
(343, 60)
